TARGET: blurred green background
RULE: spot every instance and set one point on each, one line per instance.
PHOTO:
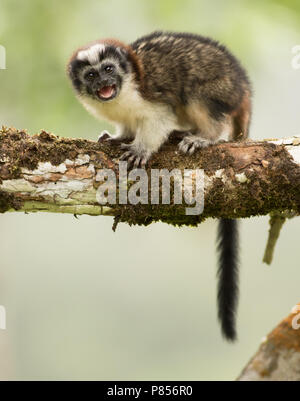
(83, 302)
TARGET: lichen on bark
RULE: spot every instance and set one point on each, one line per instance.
(242, 179)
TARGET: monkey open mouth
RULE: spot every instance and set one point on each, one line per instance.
(107, 92)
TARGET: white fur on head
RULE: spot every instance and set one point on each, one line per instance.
(92, 53)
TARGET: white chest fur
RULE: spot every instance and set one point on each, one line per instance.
(130, 109)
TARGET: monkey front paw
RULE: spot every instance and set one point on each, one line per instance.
(105, 137)
(134, 158)
(191, 143)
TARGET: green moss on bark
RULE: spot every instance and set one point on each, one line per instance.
(273, 179)
(9, 201)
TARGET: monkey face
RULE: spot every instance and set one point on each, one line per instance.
(99, 71)
(102, 82)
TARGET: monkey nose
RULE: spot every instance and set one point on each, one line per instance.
(103, 82)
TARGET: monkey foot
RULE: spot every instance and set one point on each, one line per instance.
(191, 143)
(105, 136)
(133, 158)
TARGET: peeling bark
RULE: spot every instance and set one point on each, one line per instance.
(47, 173)
(278, 358)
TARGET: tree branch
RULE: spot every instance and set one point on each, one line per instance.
(278, 358)
(47, 173)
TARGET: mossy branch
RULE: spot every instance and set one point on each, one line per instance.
(278, 357)
(47, 173)
(277, 220)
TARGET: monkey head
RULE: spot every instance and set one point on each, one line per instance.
(98, 71)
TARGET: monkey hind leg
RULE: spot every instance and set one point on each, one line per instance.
(208, 129)
(191, 142)
(241, 119)
(228, 277)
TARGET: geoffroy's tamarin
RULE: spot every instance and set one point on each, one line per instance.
(166, 82)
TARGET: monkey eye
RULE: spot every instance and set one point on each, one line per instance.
(109, 69)
(90, 75)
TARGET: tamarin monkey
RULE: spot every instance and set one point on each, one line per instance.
(166, 82)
